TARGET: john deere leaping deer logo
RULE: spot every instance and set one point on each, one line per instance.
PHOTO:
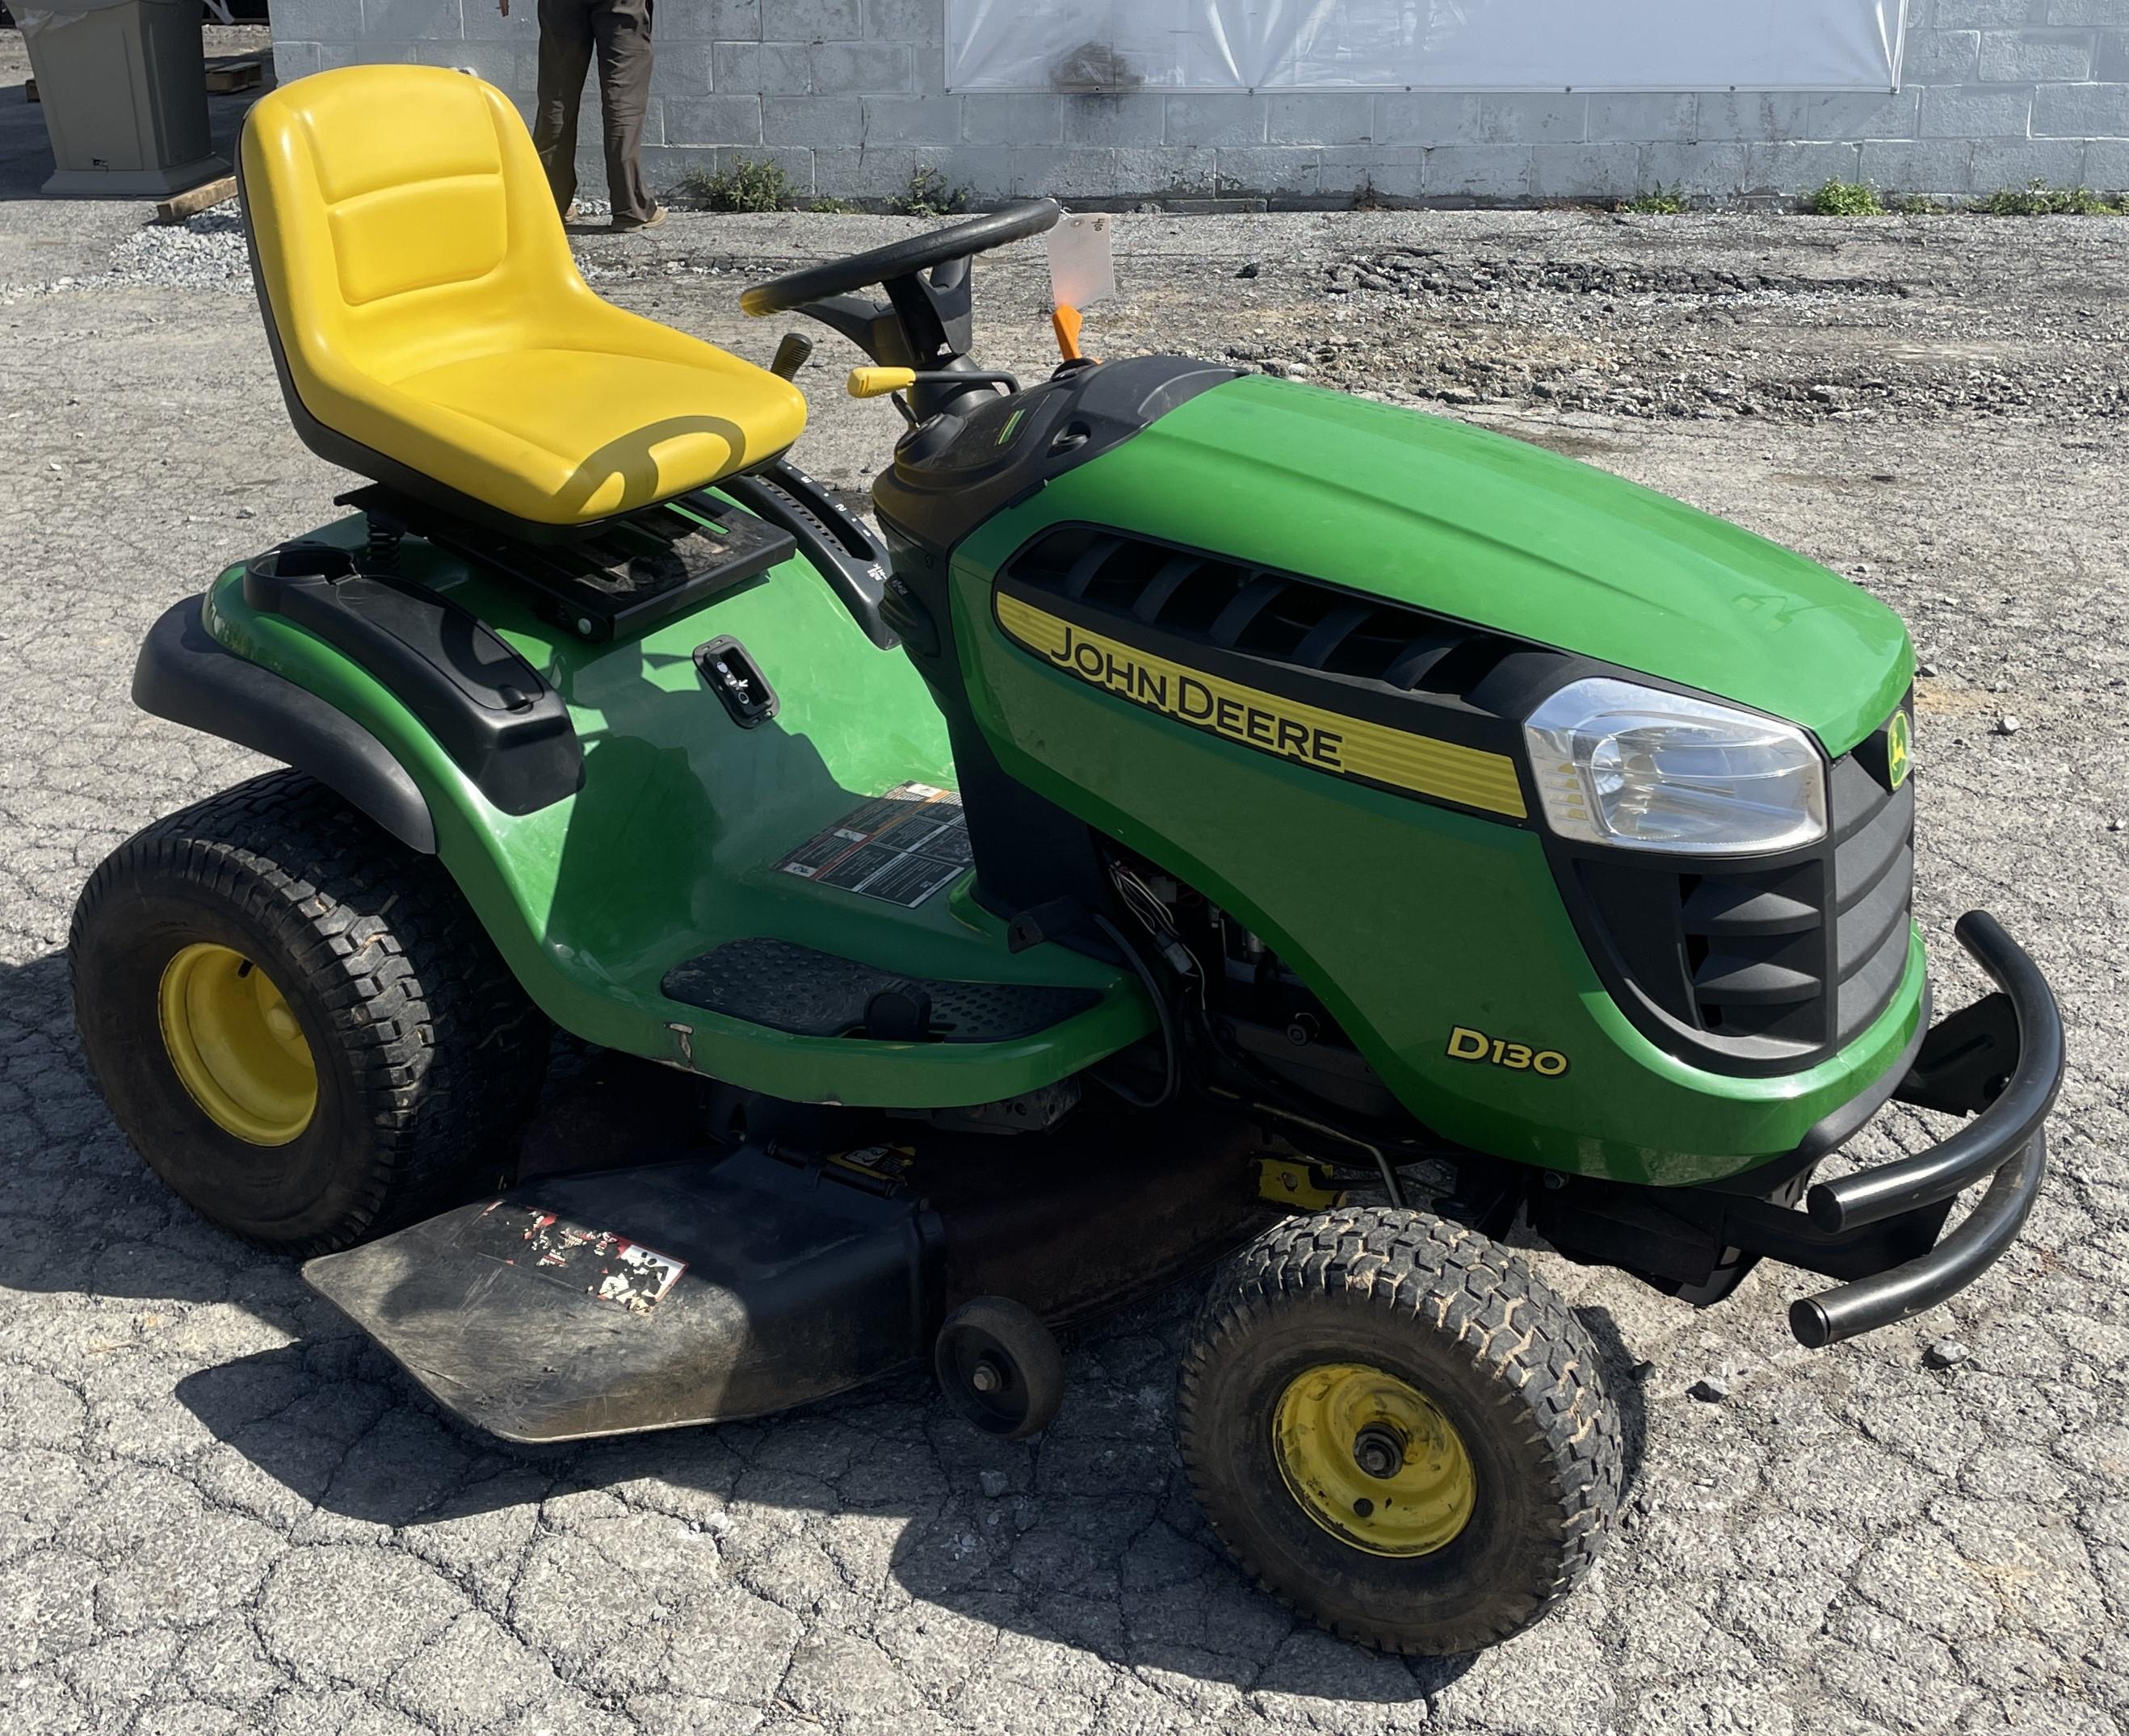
(1899, 750)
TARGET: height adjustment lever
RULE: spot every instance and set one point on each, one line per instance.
(793, 353)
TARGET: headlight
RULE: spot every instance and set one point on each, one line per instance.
(1621, 764)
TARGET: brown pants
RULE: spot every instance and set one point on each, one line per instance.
(619, 31)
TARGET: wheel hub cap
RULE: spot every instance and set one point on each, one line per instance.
(1379, 1451)
(236, 1046)
(1372, 1459)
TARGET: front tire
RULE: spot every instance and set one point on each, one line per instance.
(1399, 1429)
(296, 1020)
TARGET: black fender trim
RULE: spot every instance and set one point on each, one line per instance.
(502, 724)
(187, 677)
(834, 540)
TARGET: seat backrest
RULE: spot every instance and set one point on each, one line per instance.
(399, 219)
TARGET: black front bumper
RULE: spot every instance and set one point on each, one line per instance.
(2001, 1058)
(1878, 1231)
(2000, 1061)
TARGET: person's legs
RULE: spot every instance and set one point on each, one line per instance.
(623, 29)
(566, 56)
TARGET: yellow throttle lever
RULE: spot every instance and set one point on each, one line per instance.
(878, 381)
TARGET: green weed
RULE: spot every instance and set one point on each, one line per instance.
(750, 184)
(1844, 199)
(2037, 199)
(1657, 202)
(929, 196)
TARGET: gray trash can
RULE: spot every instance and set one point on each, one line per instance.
(123, 85)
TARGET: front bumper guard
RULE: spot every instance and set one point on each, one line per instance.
(1999, 1060)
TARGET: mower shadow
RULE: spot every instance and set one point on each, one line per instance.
(1088, 1537)
(1623, 1373)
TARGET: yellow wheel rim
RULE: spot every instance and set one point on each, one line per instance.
(1373, 1460)
(236, 1045)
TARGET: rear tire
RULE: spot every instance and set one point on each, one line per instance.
(1497, 1417)
(419, 1053)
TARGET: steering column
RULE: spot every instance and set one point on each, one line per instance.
(926, 323)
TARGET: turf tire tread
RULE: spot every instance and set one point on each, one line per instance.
(447, 1048)
(1512, 1325)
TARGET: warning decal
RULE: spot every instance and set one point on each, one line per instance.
(901, 847)
(599, 1262)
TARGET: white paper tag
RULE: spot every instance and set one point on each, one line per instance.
(1082, 269)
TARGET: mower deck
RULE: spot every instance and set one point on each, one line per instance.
(747, 1278)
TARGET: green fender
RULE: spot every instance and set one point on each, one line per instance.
(670, 847)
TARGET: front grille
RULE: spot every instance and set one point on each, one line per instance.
(1874, 876)
(1765, 965)
(1272, 617)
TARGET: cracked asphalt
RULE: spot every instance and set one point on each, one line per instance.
(220, 1510)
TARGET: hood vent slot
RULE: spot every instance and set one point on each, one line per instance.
(1258, 612)
(1755, 945)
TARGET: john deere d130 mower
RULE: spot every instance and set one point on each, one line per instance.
(1209, 794)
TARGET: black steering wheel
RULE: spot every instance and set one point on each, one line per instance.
(1012, 222)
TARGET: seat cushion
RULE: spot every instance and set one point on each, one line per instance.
(425, 304)
(567, 436)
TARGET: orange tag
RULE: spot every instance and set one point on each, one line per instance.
(1066, 322)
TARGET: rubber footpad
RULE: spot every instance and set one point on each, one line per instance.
(793, 988)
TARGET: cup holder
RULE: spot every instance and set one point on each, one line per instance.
(265, 575)
(303, 560)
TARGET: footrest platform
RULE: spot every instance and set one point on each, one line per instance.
(793, 988)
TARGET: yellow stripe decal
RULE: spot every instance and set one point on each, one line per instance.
(1328, 741)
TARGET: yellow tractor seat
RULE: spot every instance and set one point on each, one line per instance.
(433, 333)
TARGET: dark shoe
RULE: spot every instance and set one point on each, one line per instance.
(625, 225)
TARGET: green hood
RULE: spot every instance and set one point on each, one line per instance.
(1506, 535)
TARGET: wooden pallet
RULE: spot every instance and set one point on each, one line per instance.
(205, 197)
(230, 75)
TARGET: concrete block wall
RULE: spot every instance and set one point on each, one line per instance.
(846, 95)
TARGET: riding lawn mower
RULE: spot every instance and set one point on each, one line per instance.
(1213, 823)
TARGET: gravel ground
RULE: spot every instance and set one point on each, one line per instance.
(220, 1510)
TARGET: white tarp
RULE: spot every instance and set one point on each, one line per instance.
(1425, 45)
